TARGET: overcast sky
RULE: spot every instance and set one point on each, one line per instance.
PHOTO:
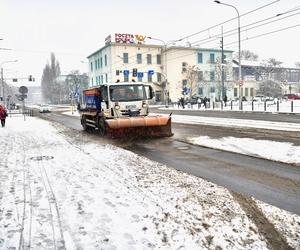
(74, 29)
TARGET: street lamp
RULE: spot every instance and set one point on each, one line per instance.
(164, 49)
(2, 80)
(239, 38)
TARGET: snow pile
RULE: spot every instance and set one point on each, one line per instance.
(287, 225)
(271, 150)
(62, 192)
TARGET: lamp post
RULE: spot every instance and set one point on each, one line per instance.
(239, 38)
(2, 80)
(164, 49)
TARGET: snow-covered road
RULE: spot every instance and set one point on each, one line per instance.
(59, 190)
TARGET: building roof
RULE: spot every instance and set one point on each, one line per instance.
(158, 46)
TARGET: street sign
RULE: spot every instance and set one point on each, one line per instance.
(150, 72)
(140, 74)
(23, 90)
(126, 72)
(76, 94)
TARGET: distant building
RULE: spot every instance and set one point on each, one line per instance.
(172, 72)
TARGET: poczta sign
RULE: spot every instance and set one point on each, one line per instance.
(129, 38)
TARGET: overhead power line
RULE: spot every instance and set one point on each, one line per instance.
(245, 27)
(267, 33)
(229, 20)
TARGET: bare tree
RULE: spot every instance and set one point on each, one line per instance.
(247, 55)
(270, 88)
(192, 75)
(49, 86)
(271, 69)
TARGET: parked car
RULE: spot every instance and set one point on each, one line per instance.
(44, 108)
(291, 97)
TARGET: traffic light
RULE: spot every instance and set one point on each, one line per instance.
(117, 72)
(134, 72)
(15, 79)
(30, 78)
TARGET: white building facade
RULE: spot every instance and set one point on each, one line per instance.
(173, 72)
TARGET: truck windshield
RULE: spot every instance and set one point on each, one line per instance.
(127, 93)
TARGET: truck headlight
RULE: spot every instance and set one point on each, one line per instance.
(117, 107)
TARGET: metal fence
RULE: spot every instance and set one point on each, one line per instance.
(283, 106)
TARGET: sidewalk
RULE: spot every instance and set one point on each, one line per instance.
(61, 190)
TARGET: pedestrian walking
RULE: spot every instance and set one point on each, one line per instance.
(182, 102)
(199, 101)
(205, 101)
(3, 115)
(225, 100)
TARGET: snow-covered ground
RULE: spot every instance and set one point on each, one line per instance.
(271, 150)
(59, 189)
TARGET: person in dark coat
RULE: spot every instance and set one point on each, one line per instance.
(205, 101)
(225, 100)
(3, 115)
(182, 102)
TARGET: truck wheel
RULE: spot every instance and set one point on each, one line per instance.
(101, 126)
(84, 124)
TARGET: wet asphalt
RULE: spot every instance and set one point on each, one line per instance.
(272, 182)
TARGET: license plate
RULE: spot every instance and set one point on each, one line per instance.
(131, 107)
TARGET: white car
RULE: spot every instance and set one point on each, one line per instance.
(44, 109)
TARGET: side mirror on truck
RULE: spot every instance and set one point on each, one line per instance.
(150, 92)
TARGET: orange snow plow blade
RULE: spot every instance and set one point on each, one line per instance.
(148, 126)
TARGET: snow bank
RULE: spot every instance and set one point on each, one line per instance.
(271, 150)
(59, 190)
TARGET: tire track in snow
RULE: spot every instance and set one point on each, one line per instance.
(50, 197)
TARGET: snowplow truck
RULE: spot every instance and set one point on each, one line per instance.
(120, 110)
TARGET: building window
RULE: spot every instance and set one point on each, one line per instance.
(140, 78)
(200, 91)
(246, 91)
(212, 89)
(212, 75)
(251, 92)
(105, 60)
(242, 92)
(158, 59)
(126, 78)
(96, 64)
(96, 80)
(149, 59)
(158, 77)
(200, 58)
(184, 67)
(101, 78)
(139, 58)
(91, 66)
(106, 78)
(92, 81)
(235, 92)
(200, 75)
(125, 57)
(149, 77)
(101, 63)
(212, 58)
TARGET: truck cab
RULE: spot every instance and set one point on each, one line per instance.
(125, 99)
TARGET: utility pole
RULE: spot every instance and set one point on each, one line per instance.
(222, 69)
(2, 85)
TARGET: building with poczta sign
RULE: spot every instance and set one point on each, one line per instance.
(173, 72)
